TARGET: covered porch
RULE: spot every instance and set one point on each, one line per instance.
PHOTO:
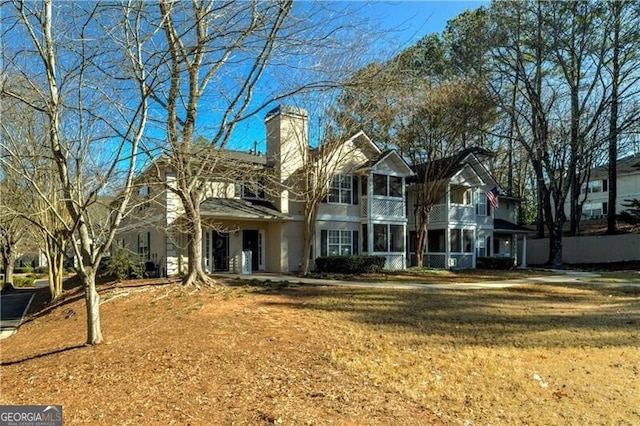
(229, 228)
(510, 240)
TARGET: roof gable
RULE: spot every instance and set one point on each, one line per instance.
(388, 161)
(459, 168)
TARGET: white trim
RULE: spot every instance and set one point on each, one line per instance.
(339, 218)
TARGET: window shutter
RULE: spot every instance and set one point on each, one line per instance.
(354, 242)
(365, 239)
(148, 245)
(604, 185)
(354, 190)
(323, 242)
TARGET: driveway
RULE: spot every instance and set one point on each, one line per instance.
(13, 307)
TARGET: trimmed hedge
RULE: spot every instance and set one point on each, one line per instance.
(350, 264)
(503, 263)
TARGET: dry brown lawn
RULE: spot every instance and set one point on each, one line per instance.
(276, 354)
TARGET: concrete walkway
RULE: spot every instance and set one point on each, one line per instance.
(561, 277)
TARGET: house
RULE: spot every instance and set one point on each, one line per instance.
(463, 224)
(253, 203)
(364, 212)
(595, 192)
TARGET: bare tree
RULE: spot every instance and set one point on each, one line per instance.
(219, 55)
(36, 197)
(73, 67)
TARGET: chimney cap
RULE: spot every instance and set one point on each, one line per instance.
(286, 110)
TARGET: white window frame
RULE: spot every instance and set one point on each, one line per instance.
(341, 189)
(481, 203)
(481, 246)
(339, 242)
(143, 245)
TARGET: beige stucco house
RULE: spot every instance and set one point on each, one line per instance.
(463, 224)
(252, 204)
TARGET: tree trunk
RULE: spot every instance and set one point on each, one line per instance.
(195, 272)
(56, 275)
(555, 244)
(613, 122)
(307, 241)
(92, 303)
(55, 268)
(574, 224)
(9, 265)
(421, 242)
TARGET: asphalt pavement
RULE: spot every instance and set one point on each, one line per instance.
(13, 308)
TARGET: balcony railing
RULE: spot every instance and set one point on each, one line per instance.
(459, 213)
(382, 207)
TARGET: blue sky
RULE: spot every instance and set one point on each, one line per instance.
(403, 24)
(409, 21)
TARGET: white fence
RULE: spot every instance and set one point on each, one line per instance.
(593, 249)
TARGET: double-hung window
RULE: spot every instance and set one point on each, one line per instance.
(482, 209)
(338, 242)
(388, 186)
(341, 191)
(143, 244)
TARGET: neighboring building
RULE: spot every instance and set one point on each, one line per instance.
(595, 192)
(463, 225)
(364, 213)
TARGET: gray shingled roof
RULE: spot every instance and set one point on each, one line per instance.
(627, 165)
(238, 209)
(501, 225)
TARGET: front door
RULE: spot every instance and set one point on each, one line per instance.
(250, 241)
(220, 251)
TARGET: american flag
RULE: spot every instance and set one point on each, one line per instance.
(493, 197)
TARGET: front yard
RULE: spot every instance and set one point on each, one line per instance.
(289, 354)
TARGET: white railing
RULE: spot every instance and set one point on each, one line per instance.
(394, 261)
(382, 207)
(459, 213)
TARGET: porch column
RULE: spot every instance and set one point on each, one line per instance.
(514, 249)
(447, 247)
(474, 249)
(524, 251)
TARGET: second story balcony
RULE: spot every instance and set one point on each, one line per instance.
(456, 213)
(382, 207)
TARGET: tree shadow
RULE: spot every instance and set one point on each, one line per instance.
(42, 355)
(531, 316)
(42, 305)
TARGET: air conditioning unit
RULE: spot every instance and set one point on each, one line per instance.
(453, 262)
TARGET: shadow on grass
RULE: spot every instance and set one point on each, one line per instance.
(42, 355)
(530, 316)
